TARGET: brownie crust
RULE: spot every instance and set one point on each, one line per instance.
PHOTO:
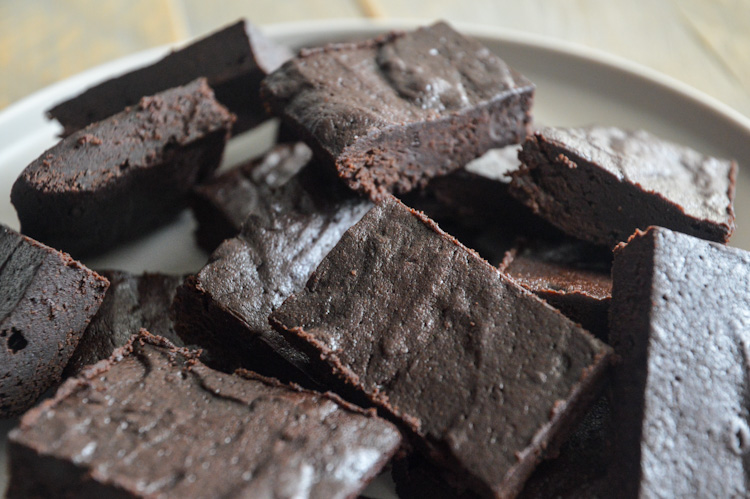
(122, 177)
(234, 60)
(47, 300)
(390, 113)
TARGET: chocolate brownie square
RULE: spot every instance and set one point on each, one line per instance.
(600, 184)
(485, 376)
(680, 320)
(46, 301)
(234, 60)
(152, 421)
(390, 113)
(120, 178)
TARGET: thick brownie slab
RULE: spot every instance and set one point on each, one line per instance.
(46, 302)
(222, 204)
(152, 421)
(601, 184)
(233, 60)
(132, 302)
(680, 319)
(390, 113)
(225, 307)
(571, 275)
(485, 374)
(121, 177)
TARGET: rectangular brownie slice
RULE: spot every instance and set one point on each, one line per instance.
(46, 301)
(225, 307)
(121, 177)
(571, 275)
(152, 421)
(390, 113)
(487, 376)
(234, 60)
(600, 184)
(222, 203)
(680, 320)
(132, 302)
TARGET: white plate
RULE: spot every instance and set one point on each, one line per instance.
(575, 86)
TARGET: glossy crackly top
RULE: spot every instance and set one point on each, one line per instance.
(472, 362)
(690, 367)
(153, 420)
(700, 184)
(138, 137)
(346, 91)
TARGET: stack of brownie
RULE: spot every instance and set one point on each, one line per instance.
(336, 328)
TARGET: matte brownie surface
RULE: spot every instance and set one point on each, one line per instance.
(486, 376)
(233, 60)
(601, 184)
(222, 203)
(152, 421)
(680, 320)
(46, 302)
(122, 177)
(225, 307)
(132, 302)
(390, 113)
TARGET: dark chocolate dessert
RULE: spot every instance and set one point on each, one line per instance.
(152, 421)
(680, 320)
(222, 203)
(572, 276)
(390, 113)
(132, 302)
(601, 184)
(234, 60)
(46, 302)
(224, 308)
(487, 377)
(122, 177)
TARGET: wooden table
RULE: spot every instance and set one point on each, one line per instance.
(704, 43)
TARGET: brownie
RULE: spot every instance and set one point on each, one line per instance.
(152, 421)
(222, 204)
(234, 60)
(571, 275)
(485, 376)
(600, 184)
(46, 302)
(390, 113)
(132, 302)
(122, 177)
(680, 320)
(224, 308)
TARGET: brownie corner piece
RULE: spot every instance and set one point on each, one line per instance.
(447, 345)
(600, 184)
(390, 113)
(121, 177)
(153, 420)
(47, 300)
(679, 320)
